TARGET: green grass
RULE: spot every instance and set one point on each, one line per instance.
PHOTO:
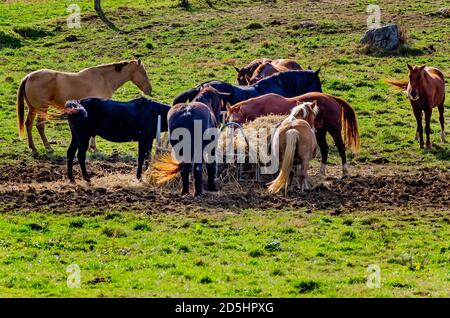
(253, 254)
(200, 45)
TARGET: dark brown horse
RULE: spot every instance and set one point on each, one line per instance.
(246, 73)
(426, 90)
(335, 116)
(199, 116)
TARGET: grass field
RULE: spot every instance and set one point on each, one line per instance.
(308, 250)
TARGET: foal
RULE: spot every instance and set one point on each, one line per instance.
(183, 121)
(426, 90)
(295, 143)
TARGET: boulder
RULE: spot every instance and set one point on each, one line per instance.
(386, 37)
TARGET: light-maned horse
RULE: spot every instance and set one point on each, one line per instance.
(425, 90)
(295, 144)
(336, 117)
(267, 69)
(246, 73)
(44, 88)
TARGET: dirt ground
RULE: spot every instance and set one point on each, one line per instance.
(44, 187)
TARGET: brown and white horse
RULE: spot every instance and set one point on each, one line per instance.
(295, 144)
(426, 90)
(44, 88)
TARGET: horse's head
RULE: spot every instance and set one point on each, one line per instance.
(212, 98)
(316, 84)
(306, 111)
(414, 89)
(262, 71)
(234, 115)
(242, 76)
(139, 77)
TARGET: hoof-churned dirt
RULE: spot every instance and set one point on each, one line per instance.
(44, 187)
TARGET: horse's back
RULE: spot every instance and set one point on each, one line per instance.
(436, 72)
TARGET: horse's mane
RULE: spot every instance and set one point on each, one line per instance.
(116, 65)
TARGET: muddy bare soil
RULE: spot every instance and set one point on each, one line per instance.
(44, 188)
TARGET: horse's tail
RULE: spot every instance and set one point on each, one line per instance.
(397, 83)
(21, 96)
(292, 136)
(186, 96)
(165, 169)
(349, 126)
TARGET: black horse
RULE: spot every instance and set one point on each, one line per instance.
(204, 111)
(135, 120)
(287, 84)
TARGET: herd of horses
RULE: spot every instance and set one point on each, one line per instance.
(278, 87)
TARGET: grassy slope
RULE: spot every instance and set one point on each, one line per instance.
(179, 255)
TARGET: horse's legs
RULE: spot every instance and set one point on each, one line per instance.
(185, 171)
(321, 137)
(418, 115)
(212, 170)
(304, 175)
(145, 147)
(337, 137)
(427, 126)
(40, 125)
(198, 178)
(442, 120)
(92, 145)
(296, 178)
(70, 155)
(81, 155)
(29, 124)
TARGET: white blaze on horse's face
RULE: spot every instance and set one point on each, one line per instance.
(415, 77)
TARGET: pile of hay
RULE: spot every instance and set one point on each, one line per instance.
(256, 132)
(262, 128)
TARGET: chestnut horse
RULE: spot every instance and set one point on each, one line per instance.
(267, 69)
(426, 90)
(295, 144)
(336, 116)
(246, 73)
(44, 88)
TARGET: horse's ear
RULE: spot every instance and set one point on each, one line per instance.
(309, 67)
(229, 108)
(318, 71)
(237, 69)
(314, 103)
(409, 67)
(139, 62)
(422, 68)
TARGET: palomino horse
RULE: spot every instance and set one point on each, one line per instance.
(204, 110)
(295, 144)
(247, 72)
(289, 84)
(336, 116)
(114, 121)
(44, 88)
(267, 69)
(426, 90)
